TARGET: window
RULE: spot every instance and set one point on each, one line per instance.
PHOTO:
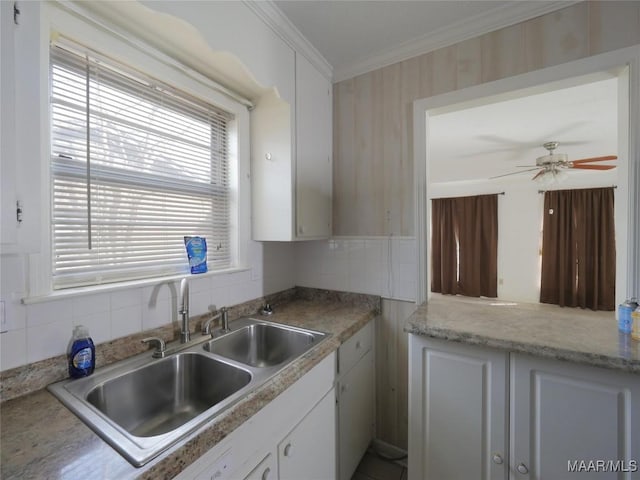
(464, 246)
(135, 166)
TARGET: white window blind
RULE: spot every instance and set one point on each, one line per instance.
(135, 166)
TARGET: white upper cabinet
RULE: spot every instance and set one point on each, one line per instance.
(8, 229)
(291, 170)
(313, 152)
(21, 127)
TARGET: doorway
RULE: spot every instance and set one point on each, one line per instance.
(436, 117)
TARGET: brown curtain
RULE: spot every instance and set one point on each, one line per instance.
(444, 258)
(470, 224)
(578, 249)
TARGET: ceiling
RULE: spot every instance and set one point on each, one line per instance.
(477, 143)
(356, 36)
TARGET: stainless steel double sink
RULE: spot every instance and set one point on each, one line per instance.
(141, 406)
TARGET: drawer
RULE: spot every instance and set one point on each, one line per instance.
(355, 348)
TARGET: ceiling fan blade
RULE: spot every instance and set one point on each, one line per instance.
(594, 167)
(538, 174)
(526, 166)
(594, 159)
(514, 173)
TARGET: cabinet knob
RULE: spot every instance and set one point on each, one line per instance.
(522, 468)
(266, 473)
(358, 345)
(268, 156)
(287, 450)
(497, 459)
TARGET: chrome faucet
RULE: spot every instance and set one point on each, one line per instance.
(223, 314)
(185, 335)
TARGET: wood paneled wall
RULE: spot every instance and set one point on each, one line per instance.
(373, 144)
(392, 369)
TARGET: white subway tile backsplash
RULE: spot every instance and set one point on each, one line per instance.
(220, 297)
(126, 298)
(160, 292)
(199, 302)
(98, 324)
(379, 266)
(88, 304)
(48, 340)
(199, 284)
(13, 349)
(158, 314)
(126, 321)
(49, 312)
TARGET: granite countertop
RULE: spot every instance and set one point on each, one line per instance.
(40, 438)
(571, 334)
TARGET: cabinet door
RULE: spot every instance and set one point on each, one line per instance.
(457, 407)
(267, 469)
(309, 450)
(355, 415)
(313, 152)
(565, 413)
(8, 228)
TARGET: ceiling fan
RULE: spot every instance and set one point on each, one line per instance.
(553, 163)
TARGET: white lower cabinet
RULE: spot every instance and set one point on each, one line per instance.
(309, 450)
(267, 469)
(458, 416)
(355, 395)
(565, 416)
(482, 413)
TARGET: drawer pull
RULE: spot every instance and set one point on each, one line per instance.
(358, 345)
(287, 450)
(497, 459)
(522, 468)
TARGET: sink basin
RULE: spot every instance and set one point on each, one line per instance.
(141, 406)
(164, 395)
(263, 344)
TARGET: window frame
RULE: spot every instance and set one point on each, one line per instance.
(130, 51)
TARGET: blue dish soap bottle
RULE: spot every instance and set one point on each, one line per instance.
(82, 353)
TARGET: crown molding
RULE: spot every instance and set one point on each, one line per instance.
(280, 23)
(466, 29)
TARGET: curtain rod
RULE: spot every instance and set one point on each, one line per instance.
(559, 189)
(438, 198)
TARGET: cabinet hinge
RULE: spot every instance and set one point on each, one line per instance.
(18, 211)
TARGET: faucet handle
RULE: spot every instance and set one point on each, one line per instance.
(161, 347)
(222, 314)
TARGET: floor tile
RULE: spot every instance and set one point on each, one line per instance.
(378, 469)
(360, 476)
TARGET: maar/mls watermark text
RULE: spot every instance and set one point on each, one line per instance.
(615, 466)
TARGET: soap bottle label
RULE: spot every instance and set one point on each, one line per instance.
(82, 359)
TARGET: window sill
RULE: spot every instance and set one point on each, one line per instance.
(113, 287)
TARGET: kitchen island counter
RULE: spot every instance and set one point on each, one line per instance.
(570, 334)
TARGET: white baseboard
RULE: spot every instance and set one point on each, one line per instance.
(388, 450)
